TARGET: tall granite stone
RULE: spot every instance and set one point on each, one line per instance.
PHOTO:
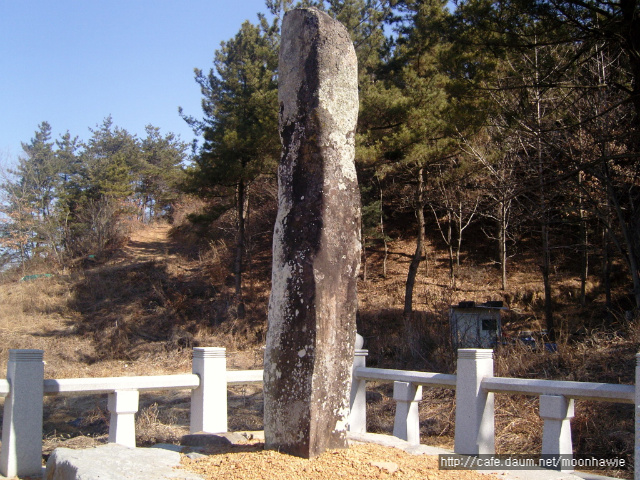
(316, 247)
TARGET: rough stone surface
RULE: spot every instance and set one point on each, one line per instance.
(115, 462)
(316, 248)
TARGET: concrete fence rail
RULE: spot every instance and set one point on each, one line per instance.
(601, 392)
(89, 386)
(244, 377)
(419, 378)
(474, 383)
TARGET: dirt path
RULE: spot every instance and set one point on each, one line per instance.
(149, 243)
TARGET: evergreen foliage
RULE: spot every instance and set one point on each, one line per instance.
(472, 110)
(517, 118)
(67, 199)
(240, 126)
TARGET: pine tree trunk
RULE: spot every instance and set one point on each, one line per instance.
(452, 277)
(460, 229)
(606, 271)
(384, 239)
(584, 266)
(631, 239)
(241, 205)
(544, 214)
(546, 278)
(629, 233)
(502, 242)
(417, 256)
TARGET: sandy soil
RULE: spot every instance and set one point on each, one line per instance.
(359, 462)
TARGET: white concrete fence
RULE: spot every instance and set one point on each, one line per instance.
(475, 385)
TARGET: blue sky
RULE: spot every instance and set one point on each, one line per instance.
(74, 62)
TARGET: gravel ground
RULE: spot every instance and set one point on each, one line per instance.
(359, 462)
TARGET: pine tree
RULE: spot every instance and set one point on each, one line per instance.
(70, 189)
(30, 226)
(405, 127)
(239, 127)
(161, 172)
(38, 170)
(112, 161)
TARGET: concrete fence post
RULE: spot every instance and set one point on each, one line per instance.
(557, 412)
(209, 400)
(123, 405)
(21, 452)
(474, 433)
(636, 471)
(407, 421)
(358, 399)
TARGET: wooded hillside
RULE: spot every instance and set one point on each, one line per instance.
(500, 130)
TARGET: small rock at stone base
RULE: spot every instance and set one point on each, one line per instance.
(195, 455)
(202, 439)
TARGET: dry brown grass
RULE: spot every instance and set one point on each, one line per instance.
(602, 351)
(141, 312)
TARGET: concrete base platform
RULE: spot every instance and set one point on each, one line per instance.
(389, 441)
(115, 462)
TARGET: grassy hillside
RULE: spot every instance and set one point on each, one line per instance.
(143, 308)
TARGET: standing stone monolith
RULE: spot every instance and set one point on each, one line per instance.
(316, 244)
